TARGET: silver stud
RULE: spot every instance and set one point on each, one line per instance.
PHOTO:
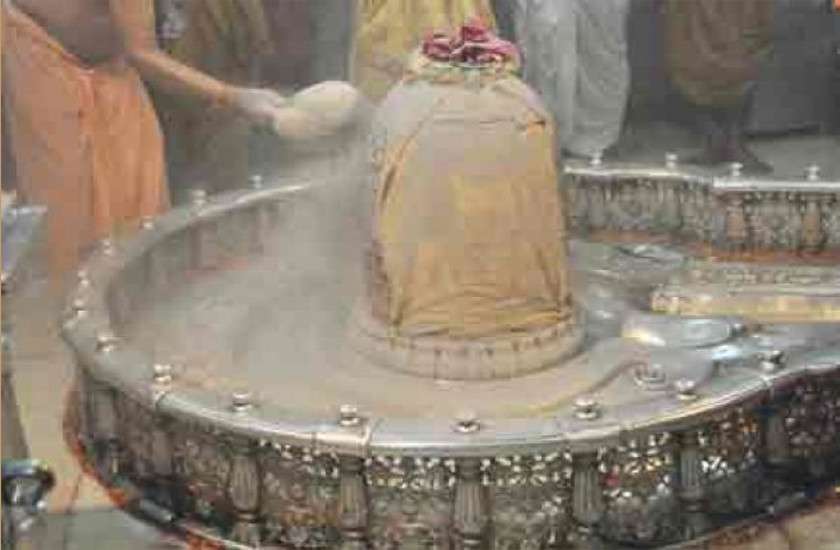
(242, 401)
(597, 159)
(348, 416)
(738, 328)
(106, 342)
(650, 375)
(466, 422)
(83, 280)
(735, 169)
(772, 361)
(686, 389)
(76, 311)
(774, 355)
(256, 182)
(162, 373)
(107, 247)
(812, 173)
(587, 408)
(78, 308)
(671, 160)
(198, 197)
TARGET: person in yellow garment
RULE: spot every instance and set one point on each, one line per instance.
(388, 31)
(714, 51)
(86, 138)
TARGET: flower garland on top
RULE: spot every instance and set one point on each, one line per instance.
(474, 54)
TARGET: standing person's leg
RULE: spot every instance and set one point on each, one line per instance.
(714, 50)
(504, 10)
(603, 76)
(333, 26)
(736, 124)
(712, 123)
(546, 32)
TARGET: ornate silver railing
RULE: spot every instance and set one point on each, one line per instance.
(680, 464)
(730, 212)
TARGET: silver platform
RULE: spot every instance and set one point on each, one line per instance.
(664, 429)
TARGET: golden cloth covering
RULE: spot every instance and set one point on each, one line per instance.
(469, 229)
(390, 30)
(86, 140)
(714, 47)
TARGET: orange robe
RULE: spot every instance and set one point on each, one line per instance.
(86, 139)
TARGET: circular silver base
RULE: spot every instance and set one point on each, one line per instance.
(679, 434)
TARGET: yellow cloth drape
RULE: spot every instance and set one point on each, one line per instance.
(86, 140)
(468, 220)
(388, 31)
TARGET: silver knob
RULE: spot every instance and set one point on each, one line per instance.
(812, 173)
(772, 361)
(106, 342)
(78, 308)
(467, 422)
(162, 373)
(107, 247)
(738, 328)
(686, 389)
(650, 374)
(597, 159)
(256, 181)
(348, 416)
(587, 408)
(147, 223)
(84, 281)
(241, 401)
(735, 169)
(671, 160)
(198, 197)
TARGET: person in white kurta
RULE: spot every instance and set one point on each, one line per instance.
(575, 55)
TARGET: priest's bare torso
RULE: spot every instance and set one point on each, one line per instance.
(85, 28)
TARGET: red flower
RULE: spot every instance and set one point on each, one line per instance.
(473, 44)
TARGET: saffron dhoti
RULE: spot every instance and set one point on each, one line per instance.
(86, 140)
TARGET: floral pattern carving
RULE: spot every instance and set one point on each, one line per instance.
(300, 496)
(411, 500)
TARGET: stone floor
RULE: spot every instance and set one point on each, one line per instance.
(82, 517)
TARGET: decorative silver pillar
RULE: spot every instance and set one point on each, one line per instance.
(162, 458)
(471, 516)
(690, 490)
(244, 492)
(203, 249)
(587, 492)
(777, 455)
(158, 273)
(737, 229)
(813, 234)
(261, 227)
(103, 417)
(83, 409)
(352, 504)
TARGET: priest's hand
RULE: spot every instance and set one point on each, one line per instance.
(261, 106)
(320, 111)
